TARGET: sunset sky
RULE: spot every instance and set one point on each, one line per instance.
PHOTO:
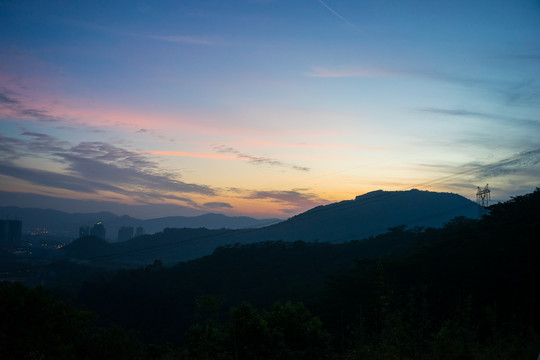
(264, 108)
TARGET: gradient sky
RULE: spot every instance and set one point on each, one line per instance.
(264, 108)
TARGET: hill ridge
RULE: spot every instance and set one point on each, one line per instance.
(337, 222)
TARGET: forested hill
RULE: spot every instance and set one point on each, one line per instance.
(468, 290)
(372, 214)
(368, 215)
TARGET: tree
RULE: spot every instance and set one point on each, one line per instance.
(36, 326)
(284, 331)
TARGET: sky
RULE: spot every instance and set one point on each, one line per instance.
(264, 108)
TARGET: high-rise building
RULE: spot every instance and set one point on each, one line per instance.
(3, 232)
(98, 230)
(125, 233)
(10, 232)
(84, 231)
(139, 231)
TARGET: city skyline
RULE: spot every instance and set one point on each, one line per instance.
(264, 108)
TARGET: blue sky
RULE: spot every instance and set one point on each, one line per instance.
(264, 108)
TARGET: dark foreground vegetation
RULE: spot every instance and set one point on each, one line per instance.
(467, 291)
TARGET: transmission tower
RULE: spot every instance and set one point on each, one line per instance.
(482, 199)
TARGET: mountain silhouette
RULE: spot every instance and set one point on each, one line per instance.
(67, 224)
(368, 215)
(372, 214)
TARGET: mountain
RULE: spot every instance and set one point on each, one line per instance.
(209, 221)
(371, 214)
(368, 215)
(68, 224)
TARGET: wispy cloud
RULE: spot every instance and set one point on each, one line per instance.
(526, 162)
(178, 198)
(355, 71)
(56, 180)
(301, 145)
(34, 144)
(44, 143)
(514, 121)
(7, 100)
(516, 92)
(11, 106)
(524, 92)
(95, 168)
(349, 72)
(257, 160)
(196, 155)
(106, 29)
(338, 15)
(91, 167)
(438, 75)
(117, 165)
(298, 198)
(455, 112)
(184, 39)
(217, 205)
(11, 148)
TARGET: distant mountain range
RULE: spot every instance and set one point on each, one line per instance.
(67, 224)
(368, 215)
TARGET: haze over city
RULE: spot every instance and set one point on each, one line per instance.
(264, 108)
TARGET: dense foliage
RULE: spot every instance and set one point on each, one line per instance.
(160, 302)
(284, 331)
(472, 293)
(466, 291)
(36, 326)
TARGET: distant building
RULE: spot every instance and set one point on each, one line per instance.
(10, 232)
(125, 233)
(139, 231)
(3, 232)
(98, 230)
(84, 231)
